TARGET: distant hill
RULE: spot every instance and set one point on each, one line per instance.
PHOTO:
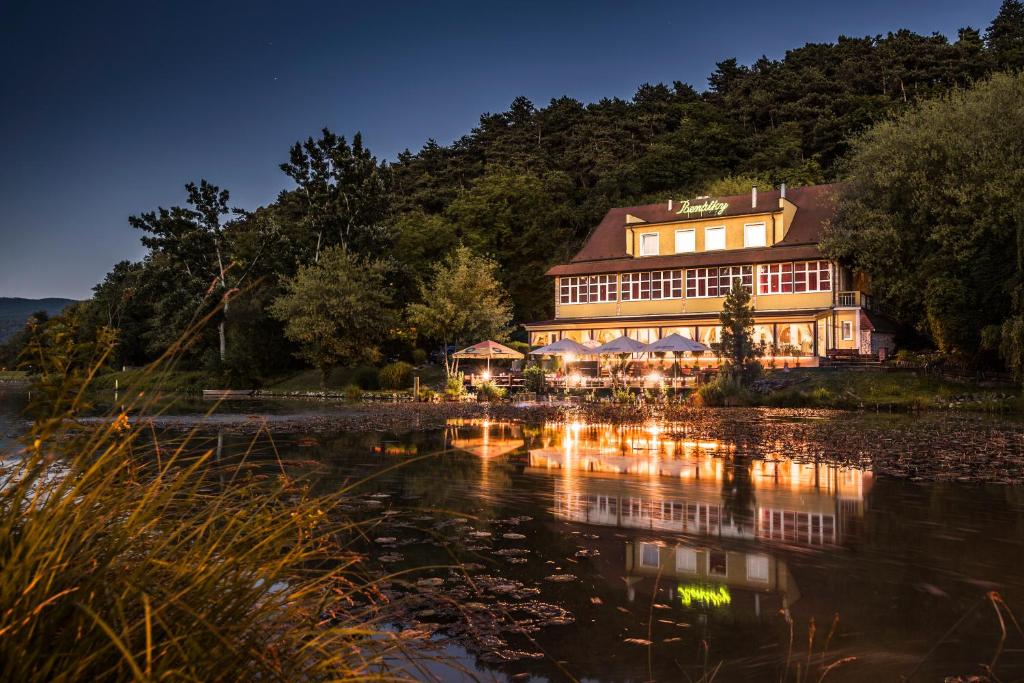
(14, 311)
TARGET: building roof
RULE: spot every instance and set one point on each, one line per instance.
(605, 248)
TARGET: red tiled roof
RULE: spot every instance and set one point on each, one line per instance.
(605, 249)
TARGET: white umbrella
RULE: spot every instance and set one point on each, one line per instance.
(621, 345)
(563, 347)
(675, 343)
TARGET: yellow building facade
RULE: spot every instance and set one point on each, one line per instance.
(653, 270)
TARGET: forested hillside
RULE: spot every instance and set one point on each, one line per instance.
(15, 311)
(523, 187)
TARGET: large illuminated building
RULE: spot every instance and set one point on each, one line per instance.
(653, 270)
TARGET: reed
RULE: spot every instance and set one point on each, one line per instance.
(122, 558)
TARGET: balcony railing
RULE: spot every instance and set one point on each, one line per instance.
(853, 300)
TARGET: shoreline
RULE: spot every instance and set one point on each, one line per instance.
(931, 446)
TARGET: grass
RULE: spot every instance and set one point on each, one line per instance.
(895, 390)
(124, 558)
(13, 376)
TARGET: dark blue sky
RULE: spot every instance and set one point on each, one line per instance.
(109, 108)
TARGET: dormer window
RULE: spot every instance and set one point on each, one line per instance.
(649, 244)
(714, 238)
(686, 241)
(754, 235)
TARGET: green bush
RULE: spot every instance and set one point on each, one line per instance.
(419, 357)
(521, 347)
(366, 378)
(396, 375)
(724, 390)
(353, 394)
(489, 391)
(533, 377)
(455, 385)
(622, 396)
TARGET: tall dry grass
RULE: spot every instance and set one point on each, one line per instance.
(124, 560)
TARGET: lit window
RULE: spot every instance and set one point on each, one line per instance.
(686, 241)
(686, 560)
(718, 563)
(757, 568)
(650, 555)
(658, 284)
(649, 244)
(847, 327)
(708, 282)
(754, 235)
(714, 239)
(775, 278)
(586, 289)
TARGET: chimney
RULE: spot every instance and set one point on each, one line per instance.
(753, 197)
(782, 190)
(670, 204)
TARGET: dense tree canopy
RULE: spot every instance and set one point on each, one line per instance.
(524, 187)
(933, 212)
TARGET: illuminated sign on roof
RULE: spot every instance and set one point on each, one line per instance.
(709, 206)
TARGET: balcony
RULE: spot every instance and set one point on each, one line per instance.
(853, 300)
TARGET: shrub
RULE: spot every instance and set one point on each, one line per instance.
(353, 394)
(725, 390)
(489, 391)
(427, 394)
(366, 378)
(455, 385)
(521, 347)
(419, 357)
(396, 375)
(621, 396)
(533, 377)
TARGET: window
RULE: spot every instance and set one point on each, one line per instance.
(686, 241)
(757, 568)
(718, 563)
(775, 278)
(686, 560)
(847, 327)
(649, 244)
(650, 555)
(812, 276)
(728, 274)
(586, 289)
(714, 238)
(708, 282)
(754, 235)
(701, 282)
(658, 284)
(787, 278)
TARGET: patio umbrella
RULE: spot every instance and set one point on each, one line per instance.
(563, 347)
(623, 344)
(486, 350)
(674, 343)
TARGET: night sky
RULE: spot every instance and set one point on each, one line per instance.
(109, 108)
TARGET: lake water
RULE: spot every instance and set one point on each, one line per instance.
(599, 552)
(671, 557)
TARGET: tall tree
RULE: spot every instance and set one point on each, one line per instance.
(1005, 35)
(344, 193)
(337, 310)
(199, 240)
(933, 212)
(736, 346)
(462, 303)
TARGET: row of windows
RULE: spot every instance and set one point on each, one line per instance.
(754, 235)
(657, 284)
(775, 278)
